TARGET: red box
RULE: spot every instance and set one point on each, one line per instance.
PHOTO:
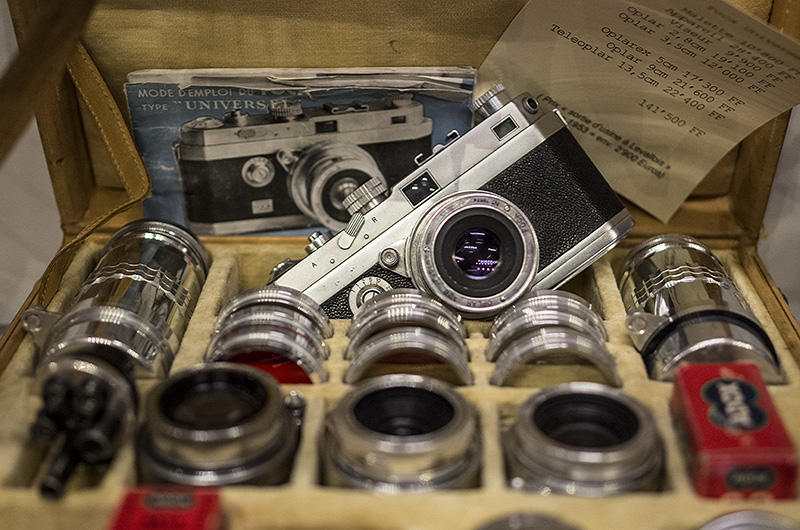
(169, 508)
(738, 446)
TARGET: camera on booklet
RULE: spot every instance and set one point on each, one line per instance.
(514, 203)
(294, 166)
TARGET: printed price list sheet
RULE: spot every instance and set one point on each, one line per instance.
(656, 91)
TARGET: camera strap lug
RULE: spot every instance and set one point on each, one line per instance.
(38, 321)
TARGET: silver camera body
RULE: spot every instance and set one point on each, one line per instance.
(514, 203)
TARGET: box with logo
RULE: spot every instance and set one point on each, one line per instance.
(487, 418)
(736, 439)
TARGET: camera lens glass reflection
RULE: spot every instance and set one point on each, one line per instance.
(589, 421)
(213, 402)
(403, 411)
(477, 253)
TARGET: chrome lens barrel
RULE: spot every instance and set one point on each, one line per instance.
(402, 433)
(584, 439)
(217, 424)
(549, 325)
(138, 300)
(751, 520)
(683, 306)
(276, 329)
(474, 250)
(526, 521)
(407, 331)
(128, 319)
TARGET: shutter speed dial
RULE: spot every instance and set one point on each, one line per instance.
(364, 289)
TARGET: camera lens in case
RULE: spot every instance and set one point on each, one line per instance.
(682, 306)
(278, 330)
(584, 439)
(411, 349)
(401, 433)
(126, 321)
(407, 331)
(217, 424)
(548, 326)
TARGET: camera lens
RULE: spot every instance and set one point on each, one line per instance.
(475, 251)
(275, 329)
(407, 331)
(403, 411)
(544, 308)
(682, 306)
(411, 349)
(403, 307)
(402, 433)
(215, 425)
(584, 439)
(549, 326)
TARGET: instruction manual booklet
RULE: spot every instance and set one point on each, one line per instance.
(254, 150)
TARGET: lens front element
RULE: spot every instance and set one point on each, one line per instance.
(475, 251)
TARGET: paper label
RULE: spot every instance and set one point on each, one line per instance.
(656, 91)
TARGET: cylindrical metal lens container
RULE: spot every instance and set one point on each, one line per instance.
(683, 306)
(751, 520)
(548, 326)
(402, 433)
(474, 250)
(584, 439)
(127, 320)
(279, 330)
(407, 331)
(136, 303)
(214, 425)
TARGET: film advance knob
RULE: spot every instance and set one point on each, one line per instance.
(490, 102)
(366, 197)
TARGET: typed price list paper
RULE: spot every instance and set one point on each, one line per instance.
(657, 92)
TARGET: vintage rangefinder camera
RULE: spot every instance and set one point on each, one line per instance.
(514, 203)
(293, 166)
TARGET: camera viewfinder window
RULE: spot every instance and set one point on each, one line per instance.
(420, 188)
(504, 127)
(398, 119)
(326, 126)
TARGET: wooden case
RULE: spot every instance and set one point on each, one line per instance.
(99, 182)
